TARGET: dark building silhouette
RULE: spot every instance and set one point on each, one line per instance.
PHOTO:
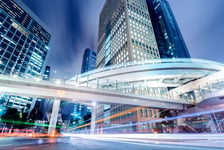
(168, 36)
(89, 60)
(80, 110)
(88, 64)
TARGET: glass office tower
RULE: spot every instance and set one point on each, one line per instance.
(80, 110)
(168, 36)
(125, 33)
(24, 42)
(89, 60)
(88, 64)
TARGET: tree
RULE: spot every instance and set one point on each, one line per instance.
(10, 117)
(11, 114)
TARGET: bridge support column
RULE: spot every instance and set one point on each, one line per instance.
(93, 119)
(54, 116)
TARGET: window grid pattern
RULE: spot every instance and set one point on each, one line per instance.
(21, 52)
(143, 42)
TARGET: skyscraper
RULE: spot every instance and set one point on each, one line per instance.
(24, 42)
(125, 33)
(80, 110)
(168, 36)
(88, 64)
(89, 60)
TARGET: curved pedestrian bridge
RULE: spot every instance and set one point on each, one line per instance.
(152, 83)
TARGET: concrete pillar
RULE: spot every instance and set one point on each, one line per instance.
(54, 116)
(93, 119)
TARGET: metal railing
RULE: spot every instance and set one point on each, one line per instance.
(211, 90)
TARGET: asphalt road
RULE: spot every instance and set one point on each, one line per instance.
(75, 143)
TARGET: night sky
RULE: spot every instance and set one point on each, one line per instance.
(74, 27)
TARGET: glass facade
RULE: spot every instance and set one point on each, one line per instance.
(23, 41)
(24, 44)
(168, 36)
(88, 64)
(143, 42)
(125, 33)
(80, 110)
(89, 60)
(18, 102)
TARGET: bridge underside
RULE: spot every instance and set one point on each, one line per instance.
(17, 86)
(166, 84)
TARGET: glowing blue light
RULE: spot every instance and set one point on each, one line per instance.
(2, 110)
